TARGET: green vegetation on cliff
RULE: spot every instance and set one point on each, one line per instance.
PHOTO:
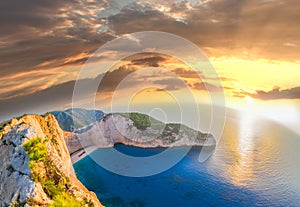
(36, 150)
(142, 121)
(54, 183)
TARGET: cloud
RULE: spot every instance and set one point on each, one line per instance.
(231, 26)
(58, 96)
(21, 17)
(36, 32)
(111, 79)
(44, 38)
(33, 33)
(186, 73)
(167, 88)
(276, 93)
(201, 86)
(178, 84)
(25, 83)
(171, 84)
(152, 61)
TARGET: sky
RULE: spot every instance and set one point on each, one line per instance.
(253, 45)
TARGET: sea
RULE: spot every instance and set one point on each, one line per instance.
(256, 163)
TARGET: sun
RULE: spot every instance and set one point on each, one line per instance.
(249, 99)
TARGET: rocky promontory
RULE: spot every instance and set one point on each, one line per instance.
(135, 129)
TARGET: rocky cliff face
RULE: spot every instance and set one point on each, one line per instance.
(72, 119)
(136, 130)
(35, 165)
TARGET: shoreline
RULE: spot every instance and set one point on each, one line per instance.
(82, 153)
(79, 155)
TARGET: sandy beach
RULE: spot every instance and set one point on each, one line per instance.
(82, 154)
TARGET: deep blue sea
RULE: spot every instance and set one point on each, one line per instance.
(256, 163)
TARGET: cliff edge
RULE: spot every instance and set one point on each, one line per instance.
(135, 129)
(35, 165)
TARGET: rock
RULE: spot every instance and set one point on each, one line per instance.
(17, 183)
(121, 128)
(73, 119)
(22, 185)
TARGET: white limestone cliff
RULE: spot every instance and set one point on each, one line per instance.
(117, 128)
(18, 187)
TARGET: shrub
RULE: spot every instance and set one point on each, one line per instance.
(54, 183)
(142, 121)
(37, 151)
(65, 200)
(52, 189)
(55, 186)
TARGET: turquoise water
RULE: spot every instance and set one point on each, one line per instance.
(256, 163)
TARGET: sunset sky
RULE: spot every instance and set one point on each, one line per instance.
(254, 46)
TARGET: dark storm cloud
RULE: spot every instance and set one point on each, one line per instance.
(276, 93)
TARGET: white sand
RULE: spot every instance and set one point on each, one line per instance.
(82, 154)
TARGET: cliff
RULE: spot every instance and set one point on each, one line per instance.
(138, 130)
(35, 165)
(72, 119)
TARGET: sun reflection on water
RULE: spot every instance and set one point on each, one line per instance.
(242, 169)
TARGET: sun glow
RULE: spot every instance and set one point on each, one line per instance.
(259, 74)
(285, 112)
(249, 100)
